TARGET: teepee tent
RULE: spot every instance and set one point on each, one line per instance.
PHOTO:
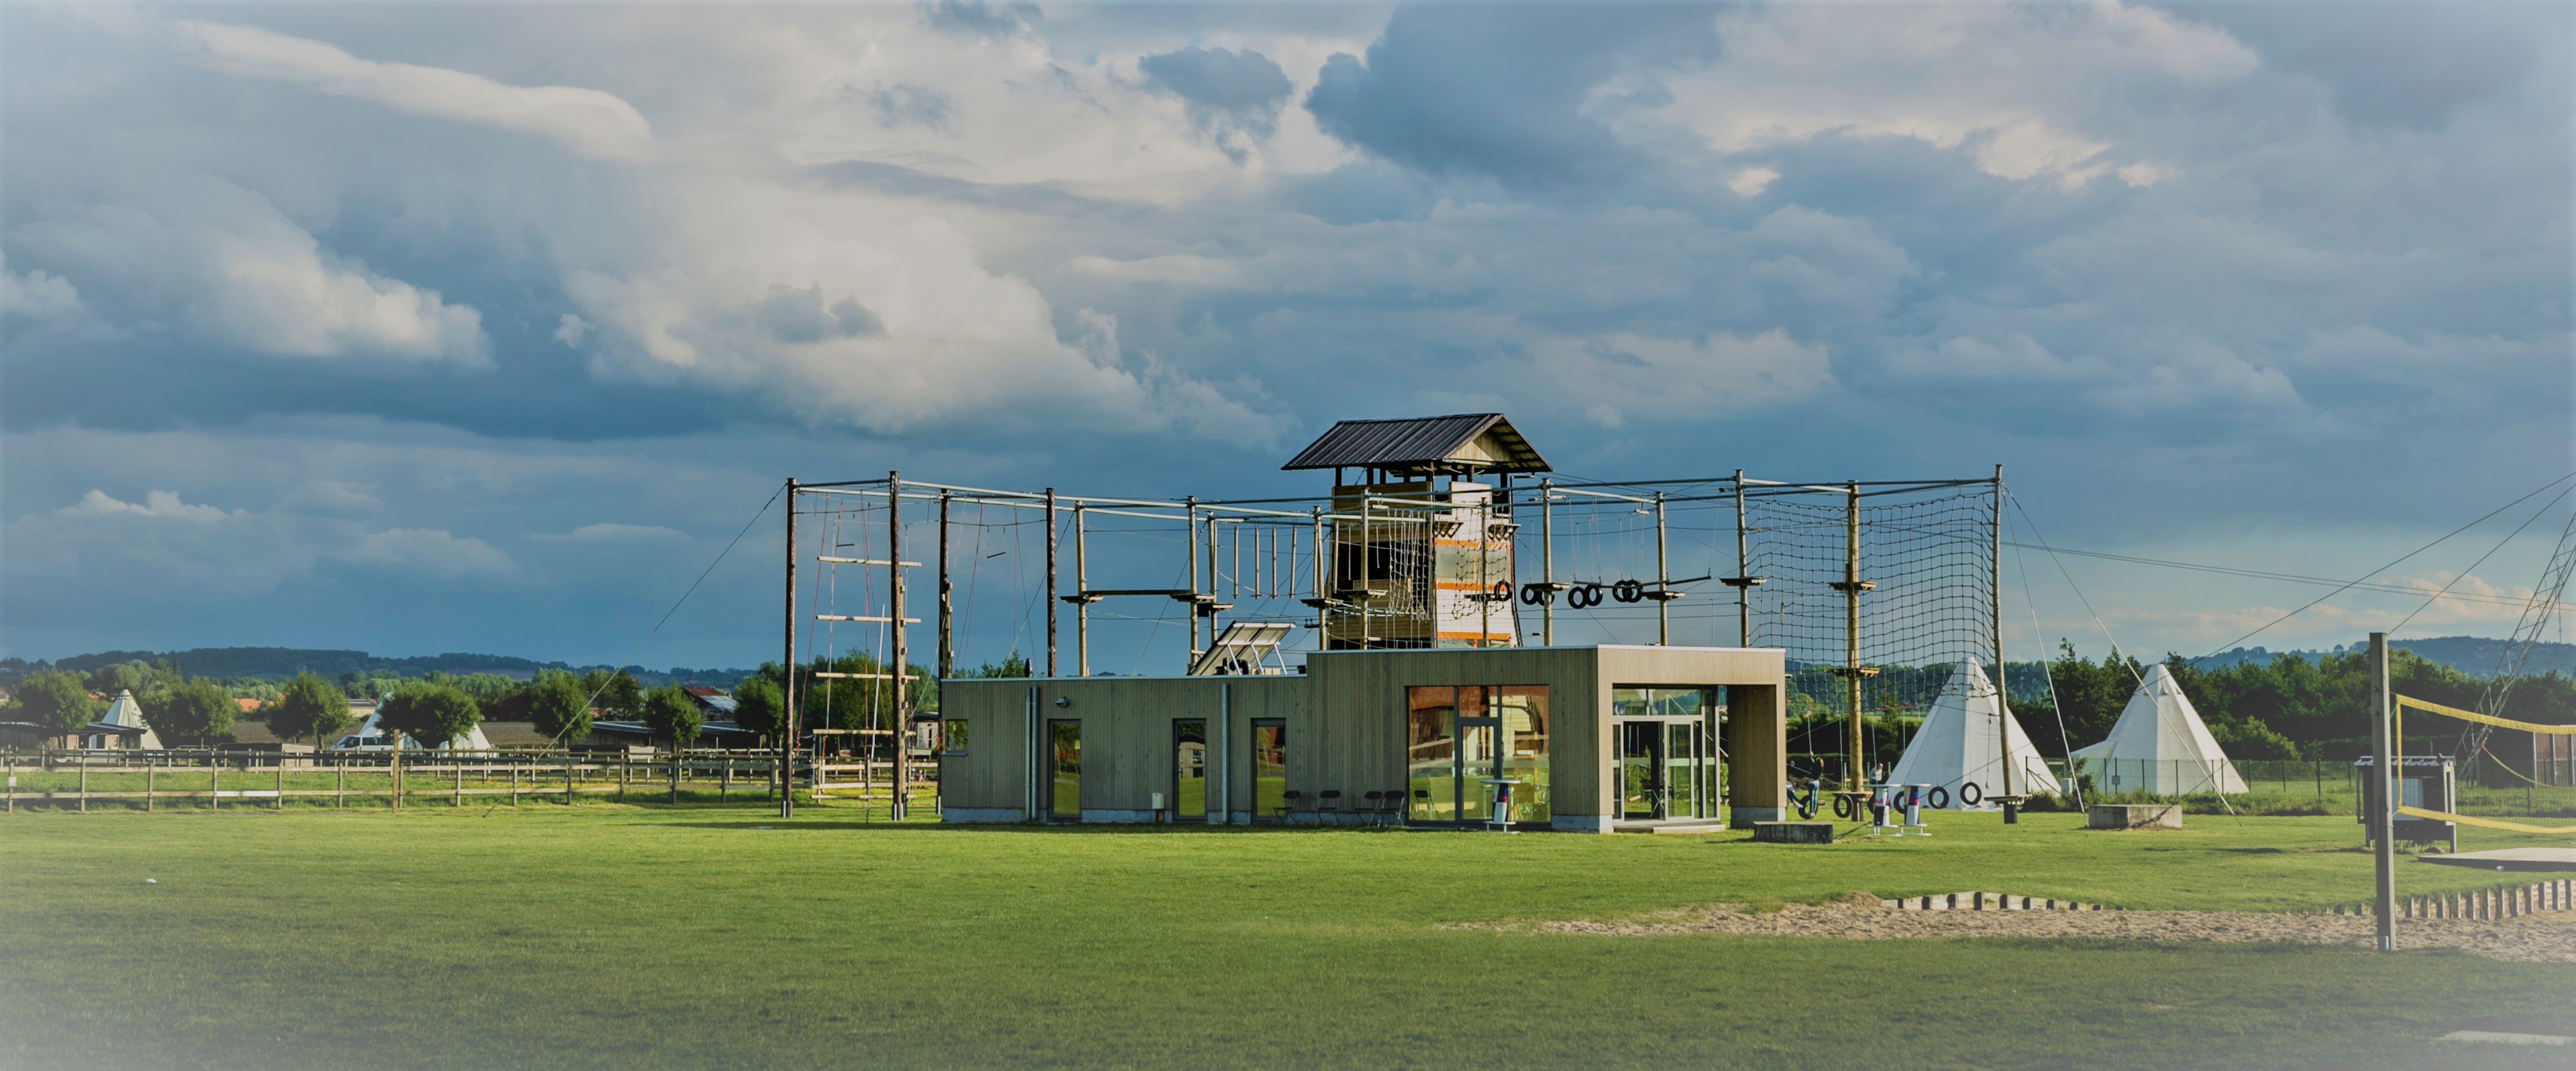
(1957, 746)
(125, 713)
(2160, 746)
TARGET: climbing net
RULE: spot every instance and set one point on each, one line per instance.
(1931, 561)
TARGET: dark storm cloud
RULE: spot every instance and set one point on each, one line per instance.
(1228, 92)
(1499, 91)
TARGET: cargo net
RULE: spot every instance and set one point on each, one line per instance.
(1933, 562)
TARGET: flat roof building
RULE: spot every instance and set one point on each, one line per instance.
(1589, 739)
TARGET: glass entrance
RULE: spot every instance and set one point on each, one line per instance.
(1064, 798)
(1189, 768)
(1644, 776)
(1458, 740)
(1479, 748)
(1269, 770)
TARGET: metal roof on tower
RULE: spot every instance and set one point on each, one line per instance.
(1483, 442)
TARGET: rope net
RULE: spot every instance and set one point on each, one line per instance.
(1932, 561)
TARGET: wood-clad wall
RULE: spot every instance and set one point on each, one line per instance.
(1346, 724)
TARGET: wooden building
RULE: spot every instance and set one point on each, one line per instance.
(1587, 739)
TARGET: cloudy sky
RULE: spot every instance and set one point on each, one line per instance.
(485, 327)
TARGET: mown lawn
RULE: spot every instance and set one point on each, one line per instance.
(639, 937)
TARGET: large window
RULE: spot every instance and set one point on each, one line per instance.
(1065, 794)
(1670, 762)
(1189, 768)
(1269, 769)
(1460, 741)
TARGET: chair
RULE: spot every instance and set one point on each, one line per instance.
(1370, 802)
(1395, 806)
(1288, 802)
(1328, 801)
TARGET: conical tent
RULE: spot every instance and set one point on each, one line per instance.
(1957, 746)
(2160, 746)
(125, 713)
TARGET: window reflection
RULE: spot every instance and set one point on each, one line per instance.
(1189, 768)
(1270, 769)
(1066, 799)
(1459, 740)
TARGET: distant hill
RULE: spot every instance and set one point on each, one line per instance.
(283, 662)
(2476, 656)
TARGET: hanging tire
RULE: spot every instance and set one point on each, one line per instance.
(1627, 591)
(1806, 807)
(1502, 592)
(1843, 807)
(1580, 596)
(1970, 795)
(1937, 799)
(1531, 593)
(1592, 594)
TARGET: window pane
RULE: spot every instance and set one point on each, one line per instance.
(1189, 768)
(956, 736)
(1270, 769)
(1431, 754)
(1523, 709)
(1680, 755)
(1628, 702)
(1067, 737)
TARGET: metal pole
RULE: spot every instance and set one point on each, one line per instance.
(1547, 561)
(1323, 609)
(1368, 506)
(1663, 576)
(1081, 590)
(1856, 774)
(1744, 590)
(2383, 813)
(902, 722)
(1190, 571)
(2003, 696)
(1211, 578)
(947, 640)
(1484, 579)
(786, 682)
(1053, 589)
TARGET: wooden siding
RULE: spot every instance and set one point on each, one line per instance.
(1345, 722)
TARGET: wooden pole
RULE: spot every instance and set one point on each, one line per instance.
(2003, 698)
(1082, 593)
(1190, 570)
(1053, 588)
(947, 641)
(902, 719)
(787, 683)
(280, 803)
(340, 783)
(215, 778)
(1856, 776)
(1663, 577)
(82, 776)
(1743, 573)
(1547, 561)
(2383, 813)
(151, 765)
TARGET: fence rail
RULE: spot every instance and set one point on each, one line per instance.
(217, 777)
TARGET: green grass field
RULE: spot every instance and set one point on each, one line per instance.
(694, 937)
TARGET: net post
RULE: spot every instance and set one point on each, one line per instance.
(1663, 580)
(901, 716)
(1995, 621)
(1082, 591)
(1053, 588)
(787, 678)
(2383, 813)
(1743, 591)
(1854, 775)
(947, 636)
(1547, 561)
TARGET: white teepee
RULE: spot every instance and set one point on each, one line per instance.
(1957, 744)
(125, 713)
(2160, 746)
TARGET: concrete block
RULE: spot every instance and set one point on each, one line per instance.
(1793, 832)
(2133, 816)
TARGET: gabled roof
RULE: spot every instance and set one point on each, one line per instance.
(1483, 441)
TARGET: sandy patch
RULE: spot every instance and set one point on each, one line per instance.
(2541, 938)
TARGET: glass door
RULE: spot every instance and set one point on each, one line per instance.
(1479, 761)
(1189, 768)
(1681, 769)
(1064, 800)
(1269, 770)
(1642, 770)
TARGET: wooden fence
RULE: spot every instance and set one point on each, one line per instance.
(230, 777)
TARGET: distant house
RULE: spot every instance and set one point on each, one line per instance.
(712, 702)
(121, 729)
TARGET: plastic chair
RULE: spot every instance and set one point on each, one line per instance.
(1288, 801)
(1328, 801)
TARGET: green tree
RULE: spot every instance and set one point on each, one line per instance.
(58, 702)
(559, 707)
(672, 715)
(309, 707)
(431, 713)
(191, 713)
(619, 694)
(757, 707)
